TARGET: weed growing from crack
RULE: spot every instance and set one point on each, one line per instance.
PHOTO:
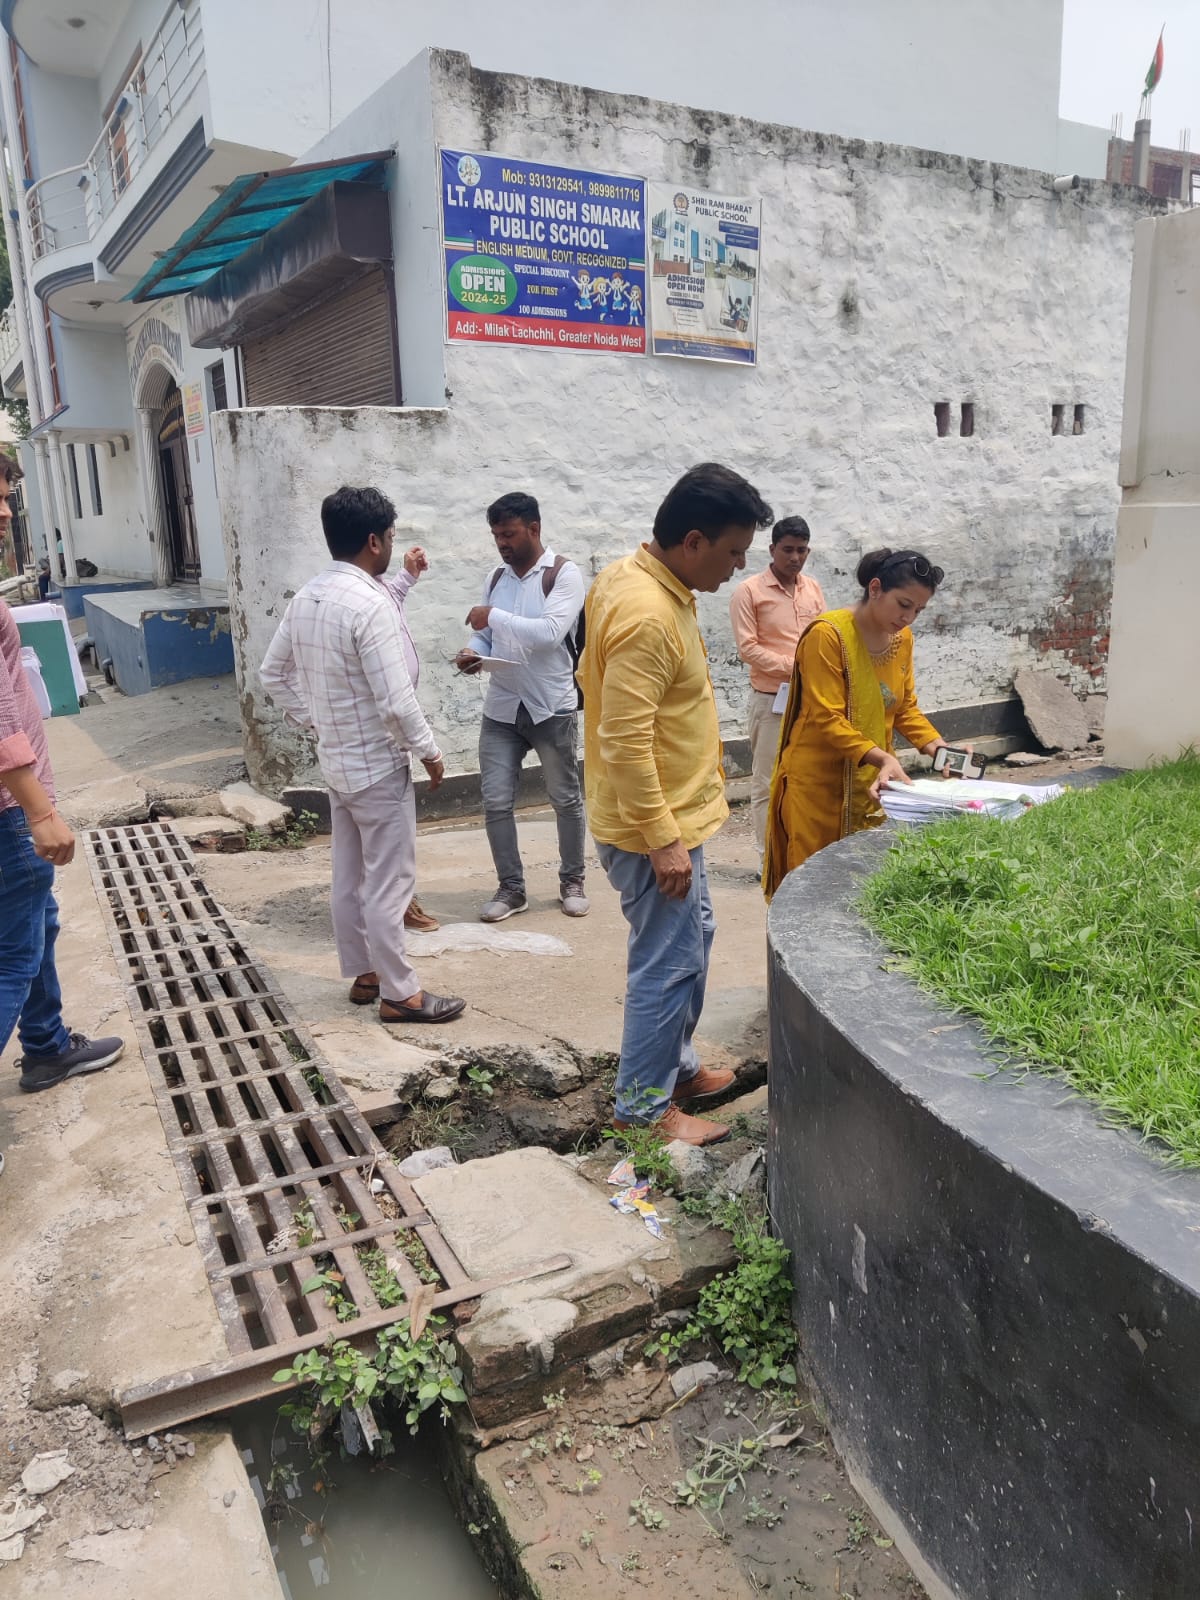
(1072, 935)
(645, 1149)
(415, 1375)
(745, 1311)
(297, 833)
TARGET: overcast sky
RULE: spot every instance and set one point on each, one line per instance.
(1107, 47)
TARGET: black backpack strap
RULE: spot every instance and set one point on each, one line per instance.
(550, 575)
(494, 580)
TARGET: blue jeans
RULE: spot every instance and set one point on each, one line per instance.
(669, 946)
(503, 746)
(29, 991)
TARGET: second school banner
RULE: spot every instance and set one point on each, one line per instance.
(704, 251)
(543, 255)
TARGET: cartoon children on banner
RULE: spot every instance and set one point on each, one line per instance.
(584, 284)
(609, 294)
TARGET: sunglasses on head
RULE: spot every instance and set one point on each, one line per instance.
(924, 571)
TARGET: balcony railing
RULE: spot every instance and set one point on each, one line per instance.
(69, 207)
(10, 340)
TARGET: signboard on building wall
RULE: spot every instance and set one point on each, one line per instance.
(193, 407)
(543, 256)
(704, 261)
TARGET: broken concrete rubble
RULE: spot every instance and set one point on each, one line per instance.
(46, 1471)
(693, 1166)
(547, 1069)
(535, 1333)
(244, 803)
(422, 1162)
(697, 1375)
(1052, 711)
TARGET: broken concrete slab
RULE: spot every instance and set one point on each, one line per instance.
(104, 802)
(510, 1211)
(1024, 758)
(1095, 709)
(375, 1061)
(547, 1069)
(1052, 711)
(243, 803)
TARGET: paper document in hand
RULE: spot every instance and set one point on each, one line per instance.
(487, 663)
(779, 704)
(927, 798)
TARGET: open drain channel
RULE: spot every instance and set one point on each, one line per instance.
(259, 1128)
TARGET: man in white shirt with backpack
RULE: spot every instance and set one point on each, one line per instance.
(529, 617)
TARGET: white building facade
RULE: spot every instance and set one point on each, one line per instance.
(123, 118)
(925, 324)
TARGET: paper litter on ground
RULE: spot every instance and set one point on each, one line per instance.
(927, 798)
(634, 1200)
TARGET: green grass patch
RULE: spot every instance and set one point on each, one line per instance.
(1073, 935)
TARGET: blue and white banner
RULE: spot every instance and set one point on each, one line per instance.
(543, 255)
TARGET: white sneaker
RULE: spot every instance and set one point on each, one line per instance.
(573, 901)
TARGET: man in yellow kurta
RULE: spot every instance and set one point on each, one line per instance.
(655, 784)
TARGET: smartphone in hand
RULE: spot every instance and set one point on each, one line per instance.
(958, 763)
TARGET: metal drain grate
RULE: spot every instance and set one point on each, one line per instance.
(259, 1130)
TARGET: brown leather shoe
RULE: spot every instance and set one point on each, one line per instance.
(676, 1124)
(418, 919)
(364, 991)
(708, 1081)
(433, 1008)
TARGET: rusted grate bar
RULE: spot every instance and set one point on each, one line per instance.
(274, 1159)
(153, 1407)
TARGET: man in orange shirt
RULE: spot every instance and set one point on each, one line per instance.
(769, 612)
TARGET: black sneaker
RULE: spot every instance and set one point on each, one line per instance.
(504, 903)
(81, 1055)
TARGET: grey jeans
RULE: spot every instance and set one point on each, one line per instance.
(503, 746)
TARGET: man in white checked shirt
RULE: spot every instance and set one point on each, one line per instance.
(337, 665)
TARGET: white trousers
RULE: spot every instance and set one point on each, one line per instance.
(374, 874)
(764, 742)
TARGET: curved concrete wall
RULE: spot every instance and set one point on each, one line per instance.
(998, 1296)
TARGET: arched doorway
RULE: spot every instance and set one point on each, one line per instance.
(175, 483)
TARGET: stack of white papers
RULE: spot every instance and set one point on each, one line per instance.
(928, 798)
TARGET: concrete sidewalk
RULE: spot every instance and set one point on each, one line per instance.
(282, 898)
(108, 1290)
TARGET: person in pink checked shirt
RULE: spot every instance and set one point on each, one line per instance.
(34, 840)
(337, 665)
(769, 612)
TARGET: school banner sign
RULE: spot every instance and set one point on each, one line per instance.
(543, 256)
(704, 251)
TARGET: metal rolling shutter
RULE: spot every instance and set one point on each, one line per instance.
(339, 352)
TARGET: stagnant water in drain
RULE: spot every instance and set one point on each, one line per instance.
(387, 1531)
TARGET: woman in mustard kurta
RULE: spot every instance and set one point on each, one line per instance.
(852, 685)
